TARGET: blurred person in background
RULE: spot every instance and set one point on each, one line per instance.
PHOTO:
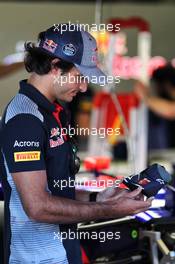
(6, 69)
(159, 97)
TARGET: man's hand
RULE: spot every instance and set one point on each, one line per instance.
(114, 193)
(110, 193)
(128, 203)
(10, 68)
(160, 106)
(141, 90)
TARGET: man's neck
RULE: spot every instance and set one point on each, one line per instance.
(41, 83)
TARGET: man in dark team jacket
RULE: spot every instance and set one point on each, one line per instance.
(37, 157)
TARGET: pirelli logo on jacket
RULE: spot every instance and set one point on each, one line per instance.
(27, 156)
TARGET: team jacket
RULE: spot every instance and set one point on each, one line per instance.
(30, 141)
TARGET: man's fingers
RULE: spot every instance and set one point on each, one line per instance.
(143, 204)
(119, 191)
(115, 194)
(140, 211)
(134, 193)
(150, 199)
(140, 197)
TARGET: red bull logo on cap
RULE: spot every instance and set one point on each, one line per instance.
(50, 45)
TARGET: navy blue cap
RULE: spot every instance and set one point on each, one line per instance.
(73, 45)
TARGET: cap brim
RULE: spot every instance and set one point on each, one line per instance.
(93, 74)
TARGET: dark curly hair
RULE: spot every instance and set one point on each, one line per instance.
(165, 74)
(162, 77)
(40, 62)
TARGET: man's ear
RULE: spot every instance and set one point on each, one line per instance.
(54, 69)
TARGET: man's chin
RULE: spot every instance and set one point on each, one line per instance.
(70, 98)
(67, 99)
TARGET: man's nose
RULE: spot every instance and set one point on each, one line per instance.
(83, 86)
